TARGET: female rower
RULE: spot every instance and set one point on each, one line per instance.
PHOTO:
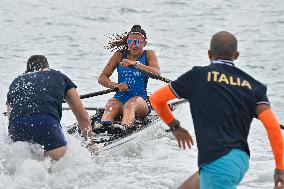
(131, 100)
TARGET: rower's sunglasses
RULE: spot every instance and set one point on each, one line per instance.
(134, 42)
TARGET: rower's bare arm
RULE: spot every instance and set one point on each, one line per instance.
(108, 70)
(74, 101)
(153, 63)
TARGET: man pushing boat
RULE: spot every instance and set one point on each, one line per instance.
(34, 105)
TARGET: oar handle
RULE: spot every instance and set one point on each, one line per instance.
(150, 74)
(98, 93)
(86, 108)
(174, 104)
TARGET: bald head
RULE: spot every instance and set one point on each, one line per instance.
(223, 45)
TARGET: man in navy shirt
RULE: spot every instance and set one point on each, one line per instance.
(34, 103)
(223, 102)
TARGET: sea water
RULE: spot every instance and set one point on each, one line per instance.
(72, 35)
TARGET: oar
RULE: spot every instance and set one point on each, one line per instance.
(151, 74)
(86, 108)
(178, 102)
(161, 78)
(92, 95)
(98, 93)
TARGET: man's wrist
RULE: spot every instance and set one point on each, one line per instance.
(174, 125)
(279, 171)
(87, 133)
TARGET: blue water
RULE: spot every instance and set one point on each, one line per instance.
(72, 35)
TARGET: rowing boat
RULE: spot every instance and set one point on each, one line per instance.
(113, 137)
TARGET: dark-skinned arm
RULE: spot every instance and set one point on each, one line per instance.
(108, 70)
(74, 101)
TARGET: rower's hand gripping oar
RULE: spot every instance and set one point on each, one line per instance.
(158, 77)
(150, 74)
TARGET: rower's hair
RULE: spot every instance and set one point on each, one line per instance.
(223, 45)
(119, 41)
(36, 63)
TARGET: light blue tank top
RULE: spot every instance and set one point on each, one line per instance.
(136, 80)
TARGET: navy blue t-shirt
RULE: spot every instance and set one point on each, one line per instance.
(38, 92)
(223, 101)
